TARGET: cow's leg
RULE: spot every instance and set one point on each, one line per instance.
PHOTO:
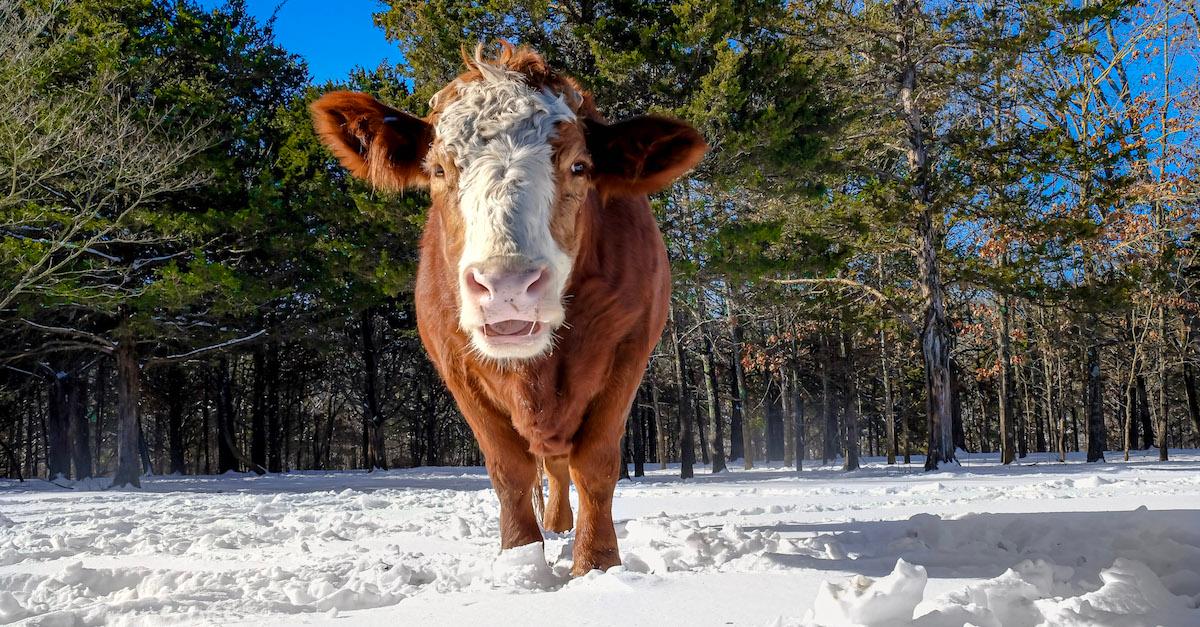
(513, 471)
(558, 509)
(514, 478)
(595, 466)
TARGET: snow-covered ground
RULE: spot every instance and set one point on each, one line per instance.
(1036, 543)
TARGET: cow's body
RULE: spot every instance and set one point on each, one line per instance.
(620, 288)
(573, 401)
(563, 402)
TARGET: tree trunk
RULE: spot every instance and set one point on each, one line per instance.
(850, 402)
(432, 451)
(1062, 433)
(1143, 414)
(323, 435)
(429, 420)
(687, 451)
(59, 409)
(786, 398)
(935, 332)
(830, 444)
(206, 423)
(1005, 391)
(736, 445)
(1129, 408)
(1074, 430)
(374, 451)
(1163, 406)
(701, 418)
(935, 354)
(741, 440)
(773, 414)
(290, 429)
(177, 382)
(1095, 404)
(226, 455)
(81, 450)
(1054, 411)
(1041, 442)
(1097, 434)
(143, 449)
(12, 462)
(101, 408)
(789, 424)
(905, 418)
(1023, 416)
(798, 403)
(889, 410)
(275, 454)
(128, 466)
(956, 412)
(1166, 245)
(11, 452)
(624, 456)
(797, 415)
(258, 411)
(31, 429)
(651, 428)
(714, 406)
(660, 427)
(638, 415)
(159, 464)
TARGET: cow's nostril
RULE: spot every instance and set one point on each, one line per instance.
(539, 282)
(477, 283)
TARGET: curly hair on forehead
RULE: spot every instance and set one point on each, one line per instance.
(528, 65)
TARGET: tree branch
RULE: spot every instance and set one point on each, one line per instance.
(91, 339)
(171, 359)
(902, 315)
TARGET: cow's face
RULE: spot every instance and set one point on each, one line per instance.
(513, 156)
(508, 167)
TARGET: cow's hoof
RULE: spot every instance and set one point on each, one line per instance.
(521, 537)
(597, 561)
(559, 522)
(558, 528)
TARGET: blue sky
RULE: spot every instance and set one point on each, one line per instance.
(333, 37)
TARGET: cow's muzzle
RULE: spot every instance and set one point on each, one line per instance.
(510, 301)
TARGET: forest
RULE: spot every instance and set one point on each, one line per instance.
(923, 227)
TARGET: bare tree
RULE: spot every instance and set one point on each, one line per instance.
(75, 162)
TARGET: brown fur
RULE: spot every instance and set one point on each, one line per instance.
(569, 406)
(374, 141)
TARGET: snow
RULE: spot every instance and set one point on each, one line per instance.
(863, 601)
(1037, 543)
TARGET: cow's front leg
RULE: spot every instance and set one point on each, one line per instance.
(595, 466)
(513, 472)
(514, 477)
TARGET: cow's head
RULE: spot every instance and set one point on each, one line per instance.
(512, 154)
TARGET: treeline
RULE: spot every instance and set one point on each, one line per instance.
(923, 227)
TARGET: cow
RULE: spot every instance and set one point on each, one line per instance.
(543, 283)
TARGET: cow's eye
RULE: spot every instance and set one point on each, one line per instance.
(578, 168)
(439, 171)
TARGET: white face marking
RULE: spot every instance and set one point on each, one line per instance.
(498, 132)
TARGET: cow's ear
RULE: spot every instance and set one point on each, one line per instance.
(642, 155)
(374, 141)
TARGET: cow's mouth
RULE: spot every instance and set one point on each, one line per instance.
(513, 331)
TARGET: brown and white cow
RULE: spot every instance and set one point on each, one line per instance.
(543, 284)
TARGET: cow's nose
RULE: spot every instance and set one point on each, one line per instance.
(519, 288)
